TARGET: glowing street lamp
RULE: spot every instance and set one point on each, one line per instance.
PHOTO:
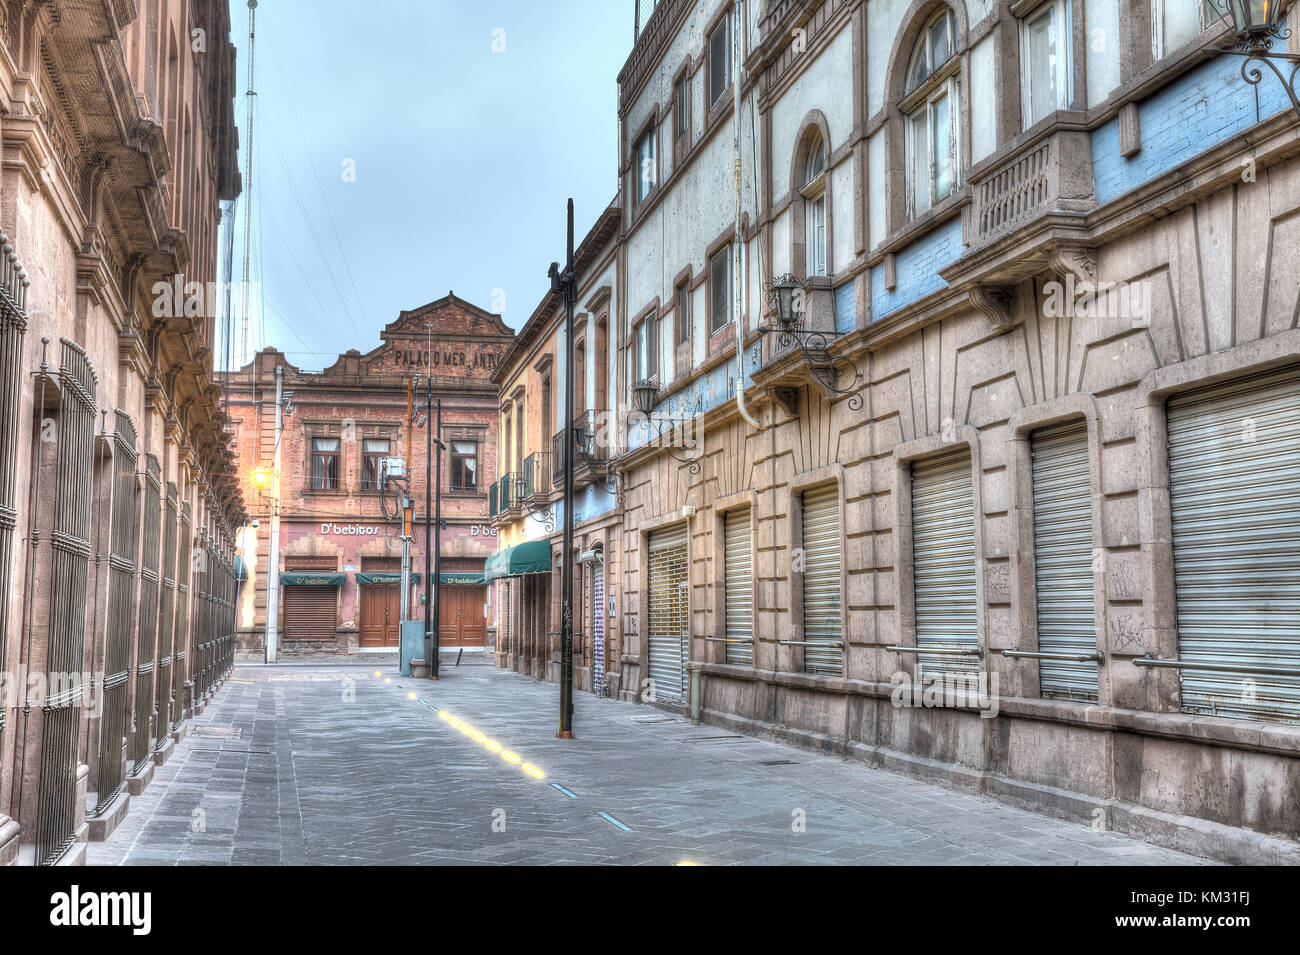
(261, 478)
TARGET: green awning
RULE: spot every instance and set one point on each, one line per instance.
(241, 572)
(383, 577)
(530, 557)
(313, 579)
(462, 579)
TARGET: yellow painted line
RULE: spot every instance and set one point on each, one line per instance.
(532, 770)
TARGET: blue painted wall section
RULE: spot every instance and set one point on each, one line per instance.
(845, 300)
(701, 395)
(918, 268)
(1198, 111)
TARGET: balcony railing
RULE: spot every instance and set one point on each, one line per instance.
(1049, 175)
(502, 496)
(535, 478)
(557, 458)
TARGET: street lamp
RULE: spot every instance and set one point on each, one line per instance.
(783, 292)
(646, 392)
(1254, 17)
(1256, 26)
(261, 478)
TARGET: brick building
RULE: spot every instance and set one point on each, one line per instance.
(340, 538)
(117, 501)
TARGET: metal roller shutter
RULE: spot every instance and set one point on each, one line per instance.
(1234, 476)
(1063, 560)
(822, 629)
(739, 588)
(598, 628)
(668, 613)
(943, 561)
(310, 613)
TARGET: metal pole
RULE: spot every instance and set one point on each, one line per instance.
(273, 562)
(566, 576)
(428, 514)
(436, 573)
(406, 562)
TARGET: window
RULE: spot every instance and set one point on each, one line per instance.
(647, 165)
(325, 464)
(372, 450)
(719, 60)
(720, 289)
(683, 317)
(682, 106)
(814, 193)
(1176, 22)
(647, 349)
(464, 466)
(1045, 54)
(933, 97)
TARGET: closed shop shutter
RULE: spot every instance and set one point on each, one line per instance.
(943, 561)
(598, 628)
(739, 588)
(822, 628)
(1234, 475)
(310, 613)
(668, 613)
(1063, 560)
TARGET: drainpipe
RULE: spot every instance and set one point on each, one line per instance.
(737, 257)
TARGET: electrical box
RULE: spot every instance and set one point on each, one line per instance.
(394, 468)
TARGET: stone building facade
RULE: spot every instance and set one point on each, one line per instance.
(527, 505)
(340, 538)
(117, 499)
(1006, 498)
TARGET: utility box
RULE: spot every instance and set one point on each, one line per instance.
(412, 644)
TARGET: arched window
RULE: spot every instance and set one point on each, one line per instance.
(931, 109)
(814, 194)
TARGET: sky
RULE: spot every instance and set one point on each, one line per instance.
(406, 148)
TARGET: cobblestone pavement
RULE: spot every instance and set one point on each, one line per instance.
(328, 764)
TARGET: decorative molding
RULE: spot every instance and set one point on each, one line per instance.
(997, 302)
(1074, 260)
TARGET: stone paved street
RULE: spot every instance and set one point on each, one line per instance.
(328, 764)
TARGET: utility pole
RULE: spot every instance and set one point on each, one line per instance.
(273, 561)
(428, 506)
(437, 542)
(566, 283)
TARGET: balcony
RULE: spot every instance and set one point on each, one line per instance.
(503, 499)
(534, 485)
(1044, 182)
(1027, 215)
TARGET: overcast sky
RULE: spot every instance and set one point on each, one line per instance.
(463, 156)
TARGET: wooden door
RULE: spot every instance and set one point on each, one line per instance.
(460, 617)
(381, 606)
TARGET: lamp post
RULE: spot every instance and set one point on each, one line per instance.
(428, 512)
(435, 572)
(565, 283)
(1256, 26)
